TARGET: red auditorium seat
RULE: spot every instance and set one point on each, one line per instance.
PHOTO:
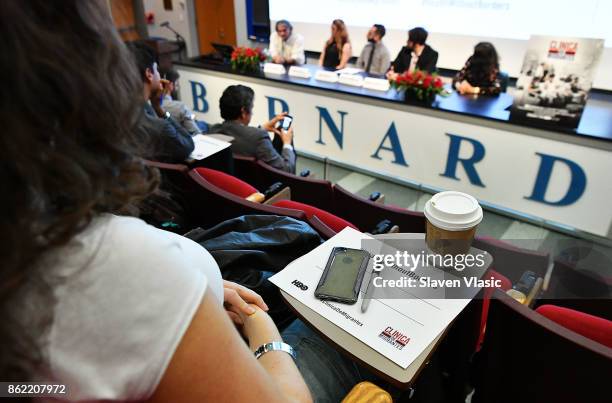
(228, 196)
(593, 327)
(227, 182)
(527, 357)
(332, 221)
(206, 205)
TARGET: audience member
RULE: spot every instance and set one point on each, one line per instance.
(375, 57)
(337, 50)
(178, 110)
(172, 143)
(107, 305)
(236, 105)
(286, 47)
(479, 74)
(416, 55)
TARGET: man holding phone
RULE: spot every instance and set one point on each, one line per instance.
(236, 105)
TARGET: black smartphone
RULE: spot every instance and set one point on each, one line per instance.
(285, 124)
(343, 274)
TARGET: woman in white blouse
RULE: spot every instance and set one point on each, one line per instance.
(111, 307)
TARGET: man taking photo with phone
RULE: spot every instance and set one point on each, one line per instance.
(236, 105)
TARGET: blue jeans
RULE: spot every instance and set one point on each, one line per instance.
(329, 375)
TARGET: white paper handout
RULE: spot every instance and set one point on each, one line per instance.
(349, 70)
(398, 328)
(205, 146)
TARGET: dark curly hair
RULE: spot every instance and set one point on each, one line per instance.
(484, 63)
(70, 101)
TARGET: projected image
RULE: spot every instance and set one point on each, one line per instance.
(555, 79)
(511, 19)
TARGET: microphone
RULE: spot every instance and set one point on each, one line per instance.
(179, 38)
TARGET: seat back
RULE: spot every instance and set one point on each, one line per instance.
(486, 298)
(366, 214)
(175, 184)
(317, 192)
(172, 175)
(211, 205)
(246, 168)
(529, 358)
(512, 261)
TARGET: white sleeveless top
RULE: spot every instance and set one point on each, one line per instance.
(127, 296)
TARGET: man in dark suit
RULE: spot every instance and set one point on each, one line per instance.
(416, 55)
(236, 106)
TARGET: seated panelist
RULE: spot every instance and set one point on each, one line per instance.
(337, 51)
(286, 47)
(416, 55)
(479, 74)
(375, 57)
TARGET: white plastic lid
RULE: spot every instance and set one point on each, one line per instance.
(453, 211)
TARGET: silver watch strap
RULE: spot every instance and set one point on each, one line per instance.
(274, 346)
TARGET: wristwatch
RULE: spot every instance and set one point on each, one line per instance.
(274, 346)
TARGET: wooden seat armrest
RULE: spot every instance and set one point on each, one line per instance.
(284, 194)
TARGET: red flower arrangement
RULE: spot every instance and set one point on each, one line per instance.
(247, 59)
(418, 85)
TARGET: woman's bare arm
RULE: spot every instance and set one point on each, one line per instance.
(322, 57)
(213, 363)
(347, 52)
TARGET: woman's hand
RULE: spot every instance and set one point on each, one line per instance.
(466, 88)
(254, 326)
(239, 301)
(392, 75)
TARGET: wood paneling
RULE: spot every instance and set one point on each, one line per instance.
(125, 21)
(216, 23)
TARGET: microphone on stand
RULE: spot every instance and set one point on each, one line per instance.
(179, 38)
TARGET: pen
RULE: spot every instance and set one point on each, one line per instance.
(369, 291)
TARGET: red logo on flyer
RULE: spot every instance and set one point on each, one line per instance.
(394, 337)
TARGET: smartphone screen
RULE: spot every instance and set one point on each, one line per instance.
(343, 274)
(285, 124)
